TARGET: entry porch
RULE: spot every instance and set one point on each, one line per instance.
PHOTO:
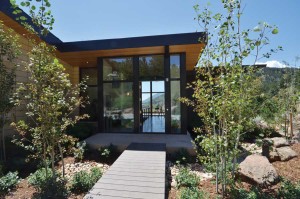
(173, 142)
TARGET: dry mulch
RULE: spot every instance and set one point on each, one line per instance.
(25, 191)
(289, 169)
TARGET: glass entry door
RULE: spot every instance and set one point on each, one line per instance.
(152, 105)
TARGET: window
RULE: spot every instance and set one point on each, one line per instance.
(117, 69)
(91, 77)
(151, 67)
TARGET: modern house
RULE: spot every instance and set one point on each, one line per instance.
(134, 83)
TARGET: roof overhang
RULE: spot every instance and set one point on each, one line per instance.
(85, 53)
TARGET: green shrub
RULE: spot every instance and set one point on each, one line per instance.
(79, 151)
(81, 130)
(288, 190)
(192, 193)
(84, 181)
(108, 154)
(8, 182)
(253, 193)
(259, 133)
(182, 156)
(48, 185)
(186, 179)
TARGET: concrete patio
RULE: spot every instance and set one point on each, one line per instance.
(122, 141)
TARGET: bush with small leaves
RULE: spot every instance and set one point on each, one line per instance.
(253, 193)
(48, 185)
(192, 193)
(182, 156)
(8, 182)
(289, 190)
(84, 181)
(79, 151)
(109, 153)
(186, 179)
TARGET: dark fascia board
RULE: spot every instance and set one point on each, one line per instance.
(6, 8)
(133, 42)
(108, 44)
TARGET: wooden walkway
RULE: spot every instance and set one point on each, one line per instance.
(139, 173)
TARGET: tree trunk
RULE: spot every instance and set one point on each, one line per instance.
(285, 126)
(62, 159)
(3, 139)
(291, 125)
(237, 141)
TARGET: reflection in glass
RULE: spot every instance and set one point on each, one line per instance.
(175, 107)
(91, 73)
(92, 107)
(158, 86)
(175, 66)
(146, 86)
(151, 67)
(158, 103)
(146, 100)
(118, 107)
(117, 69)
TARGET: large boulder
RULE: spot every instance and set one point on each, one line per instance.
(258, 170)
(279, 142)
(286, 153)
(273, 156)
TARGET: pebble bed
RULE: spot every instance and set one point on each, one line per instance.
(71, 169)
(251, 148)
(172, 170)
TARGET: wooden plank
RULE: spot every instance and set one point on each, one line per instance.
(138, 173)
(131, 183)
(145, 189)
(126, 194)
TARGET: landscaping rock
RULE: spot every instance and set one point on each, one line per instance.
(279, 142)
(273, 156)
(196, 168)
(266, 147)
(286, 153)
(71, 169)
(257, 169)
(296, 138)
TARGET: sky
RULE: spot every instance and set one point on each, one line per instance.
(77, 20)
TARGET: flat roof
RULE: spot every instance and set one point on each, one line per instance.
(107, 44)
(133, 42)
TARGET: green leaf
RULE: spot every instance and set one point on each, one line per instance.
(23, 18)
(275, 31)
(257, 29)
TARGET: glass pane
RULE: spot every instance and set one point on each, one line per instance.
(151, 67)
(145, 86)
(92, 107)
(91, 73)
(117, 69)
(175, 66)
(158, 103)
(118, 107)
(158, 86)
(175, 107)
(146, 100)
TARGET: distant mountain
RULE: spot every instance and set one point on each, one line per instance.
(157, 98)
